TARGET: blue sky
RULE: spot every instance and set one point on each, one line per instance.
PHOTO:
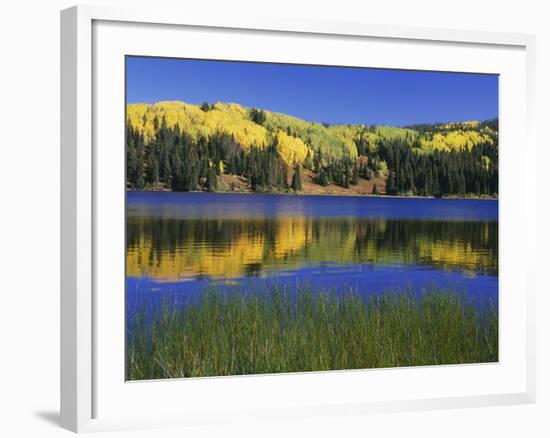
(315, 93)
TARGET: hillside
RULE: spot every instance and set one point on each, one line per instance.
(225, 146)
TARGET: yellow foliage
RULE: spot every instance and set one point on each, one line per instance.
(229, 118)
(334, 141)
(453, 254)
(458, 139)
(291, 235)
(348, 134)
(472, 124)
(292, 242)
(291, 149)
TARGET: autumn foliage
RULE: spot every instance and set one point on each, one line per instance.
(181, 146)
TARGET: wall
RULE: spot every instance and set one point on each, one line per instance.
(29, 239)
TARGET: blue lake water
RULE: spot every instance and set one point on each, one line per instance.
(178, 244)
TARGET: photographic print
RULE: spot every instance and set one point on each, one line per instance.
(290, 218)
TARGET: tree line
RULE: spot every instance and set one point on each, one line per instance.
(179, 162)
(455, 172)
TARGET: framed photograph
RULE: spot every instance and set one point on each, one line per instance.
(282, 219)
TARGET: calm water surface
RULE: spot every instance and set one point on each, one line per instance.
(179, 243)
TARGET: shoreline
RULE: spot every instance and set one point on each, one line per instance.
(333, 195)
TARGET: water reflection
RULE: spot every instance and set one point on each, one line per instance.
(174, 248)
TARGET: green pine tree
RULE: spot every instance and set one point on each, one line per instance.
(211, 181)
(297, 179)
(355, 176)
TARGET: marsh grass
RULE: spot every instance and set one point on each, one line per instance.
(277, 330)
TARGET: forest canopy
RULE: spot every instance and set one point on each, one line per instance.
(228, 147)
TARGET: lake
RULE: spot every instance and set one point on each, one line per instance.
(178, 244)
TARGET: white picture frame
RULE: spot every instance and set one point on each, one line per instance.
(81, 369)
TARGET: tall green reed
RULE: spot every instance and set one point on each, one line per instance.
(278, 330)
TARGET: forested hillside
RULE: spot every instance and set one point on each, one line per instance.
(228, 147)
